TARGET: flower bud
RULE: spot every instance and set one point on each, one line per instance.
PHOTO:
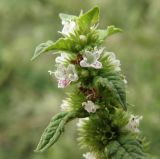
(84, 73)
(78, 47)
(83, 39)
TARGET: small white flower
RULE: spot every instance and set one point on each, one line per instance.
(125, 81)
(65, 75)
(113, 61)
(68, 27)
(65, 105)
(61, 59)
(90, 59)
(90, 107)
(81, 122)
(89, 155)
(133, 124)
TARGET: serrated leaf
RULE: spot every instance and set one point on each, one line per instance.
(115, 85)
(63, 44)
(88, 19)
(54, 130)
(125, 147)
(103, 34)
(118, 85)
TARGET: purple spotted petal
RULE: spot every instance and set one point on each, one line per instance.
(97, 65)
(63, 83)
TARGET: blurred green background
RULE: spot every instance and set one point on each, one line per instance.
(29, 96)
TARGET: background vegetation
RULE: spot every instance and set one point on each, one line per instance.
(29, 96)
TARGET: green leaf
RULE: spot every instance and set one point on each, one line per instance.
(125, 147)
(54, 130)
(42, 48)
(66, 17)
(103, 34)
(114, 84)
(63, 44)
(117, 84)
(88, 19)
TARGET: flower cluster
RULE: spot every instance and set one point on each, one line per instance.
(66, 75)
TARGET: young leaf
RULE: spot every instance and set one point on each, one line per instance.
(43, 47)
(103, 34)
(54, 130)
(63, 44)
(88, 19)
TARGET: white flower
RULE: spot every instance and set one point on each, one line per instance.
(90, 59)
(90, 107)
(61, 59)
(89, 155)
(113, 61)
(133, 124)
(65, 75)
(68, 27)
(81, 122)
(65, 105)
(125, 81)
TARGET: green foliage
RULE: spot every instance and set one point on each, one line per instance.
(54, 130)
(102, 128)
(103, 34)
(88, 19)
(125, 147)
(113, 82)
(119, 114)
(62, 44)
(95, 133)
(103, 134)
(113, 89)
(42, 48)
